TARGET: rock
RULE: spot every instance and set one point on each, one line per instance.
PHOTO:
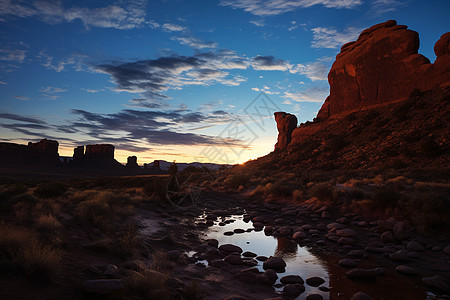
(361, 296)
(415, 246)
(387, 237)
(356, 253)
(276, 263)
(249, 254)
(135, 265)
(314, 297)
(99, 151)
(103, 286)
(343, 220)
(413, 255)
(314, 281)
(325, 215)
(346, 241)
(213, 243)
(347, 232)
(390, 52)
(447, 250)
(268, 277)
(436, 248)
(400, 231)
(268, 229)
(436, 282)
(218, 263)
(111, 271)
(248, 275)
(348, 263)
(234, 260)
(362, 273)
(398, 256)
(228, 233)
(291, 290)
(375, 250)
(299, 235)
(335, 226)
(229, 248)
(132, 162)
(239, 230)
(406, 270)
(286, 123)
(291, 279)
(262, 258)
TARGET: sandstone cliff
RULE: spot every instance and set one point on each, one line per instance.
(383, 66)
(286, 123)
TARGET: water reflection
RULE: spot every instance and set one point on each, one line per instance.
(298, 259)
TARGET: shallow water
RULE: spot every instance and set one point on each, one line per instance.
(298, 259)
(301, 261)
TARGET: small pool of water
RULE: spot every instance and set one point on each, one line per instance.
(298, 259)
(301, 261)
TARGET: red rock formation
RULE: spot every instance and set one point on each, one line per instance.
(100, 151)
(132, 162)
(48, 147)
(381, 67)
(286, 123)
(78, 153)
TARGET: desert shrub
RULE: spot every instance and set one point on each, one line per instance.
(233, 181)
(322, 190)
(281, 189)
(127, 242)
(50, 190)
(156, 187)
(149, 284)
(160, 261)
(428, 211)
(192, 291)
(21, 247)
(47, 223)
(297, 195)
(386, 197)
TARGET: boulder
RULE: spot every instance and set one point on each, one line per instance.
(275, 263)
(286, 123)
(291, 279)
(361, 296)
(229, 248)
(314, 281)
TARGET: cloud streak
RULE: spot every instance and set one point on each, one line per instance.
(131, 15)
(271, 8)
(324, 37)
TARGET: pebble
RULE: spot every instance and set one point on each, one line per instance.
(415, 246)
(314, 281)
(406, 270)
(387, 237)
(348, 263)
(356, 253)
(346, 241)
(299, 235)
(230, 248)
(347, 232)
(291, 279)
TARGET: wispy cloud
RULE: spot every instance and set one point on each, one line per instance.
(315, 71)
(13, 55)
(51, 92)
(76, 61)
(131, 15)
(313, 94)
(269, 8)
(194, 42)
(380, 7)
(173, 27)
(270, 63)
(21, 118)
(259, 23)
(324, 37)
(23, 98)
(153, 77)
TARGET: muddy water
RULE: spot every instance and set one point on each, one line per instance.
(301, 261)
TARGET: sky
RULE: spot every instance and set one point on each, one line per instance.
(176, 79)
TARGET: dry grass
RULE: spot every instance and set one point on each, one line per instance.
(21, 247)
(160, 261)
(47, 223)
(149, 284)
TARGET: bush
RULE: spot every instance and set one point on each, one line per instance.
(21, 247)
(386, 197)
(235, 180)
(428, 211)
(322, 190)
(50, 190)
(149, 284)
(48, 223)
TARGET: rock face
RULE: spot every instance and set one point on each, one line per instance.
(44, 152)
(286, 123)
(132, 162)
(99, 151)
(383, 66)
(78, 153)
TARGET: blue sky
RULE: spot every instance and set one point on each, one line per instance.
(179, 80)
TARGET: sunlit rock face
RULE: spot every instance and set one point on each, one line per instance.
(383, 66)
(286, 123)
